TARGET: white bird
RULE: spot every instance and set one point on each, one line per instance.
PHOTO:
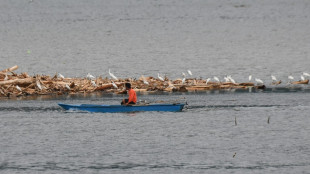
(207, 81)
(61, 76)
(217, 79)
(144, 80)
(90, 77)
(273, 78)
(231, 79)
(302, 77)
(189, 72)
(290, 77)
(39, 85)
(259, 81)
(250, 77)
(306, 74)
(183, 74)
(93, 83)
(67, 86)
(183, 80)
(6, 77)
(160, 78)
(114, 85)
(112, 75)
(226, 79)
(18, 88)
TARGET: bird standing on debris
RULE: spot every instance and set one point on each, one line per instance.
(144, 80)
(189, 72)
(226, 79)
(61, 76)
(90, 77)
(160, 78)
(207, 81)
(290, 77)
(306, 74)
(231, 79)
(18, 88)
(184, 77)
(216, 78)
(273, 78)
(93, 83)
(302, 77)
(250, 77)
(39, 85)
(114, 85)
(183, 80)
(68, 87)
(112, 75)
(259, 81)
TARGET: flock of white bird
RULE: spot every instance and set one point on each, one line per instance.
(274, 79)
(88, 76)
(92, 78)
(227, 78)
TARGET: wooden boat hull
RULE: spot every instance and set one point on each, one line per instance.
(121, 108)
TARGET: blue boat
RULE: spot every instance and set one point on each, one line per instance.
(122, 108)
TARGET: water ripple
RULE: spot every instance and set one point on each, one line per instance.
(125, 166)
(233, 106)
(30, 109)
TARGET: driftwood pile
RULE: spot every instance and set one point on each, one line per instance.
(12, 84)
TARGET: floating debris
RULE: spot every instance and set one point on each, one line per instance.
(276, 82)
(12, 84)
(301, 82)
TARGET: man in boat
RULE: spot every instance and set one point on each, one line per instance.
(132, 99)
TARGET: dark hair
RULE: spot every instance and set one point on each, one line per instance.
(128, 85)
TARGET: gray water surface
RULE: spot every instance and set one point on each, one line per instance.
(229, 131)
(132, 37)
(217, 133)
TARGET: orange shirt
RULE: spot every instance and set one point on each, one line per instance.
(132, 96)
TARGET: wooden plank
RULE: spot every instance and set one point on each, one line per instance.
(25, 81)
(10, 69)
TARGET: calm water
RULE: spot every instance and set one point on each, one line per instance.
(38, 136)
(133, 37)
